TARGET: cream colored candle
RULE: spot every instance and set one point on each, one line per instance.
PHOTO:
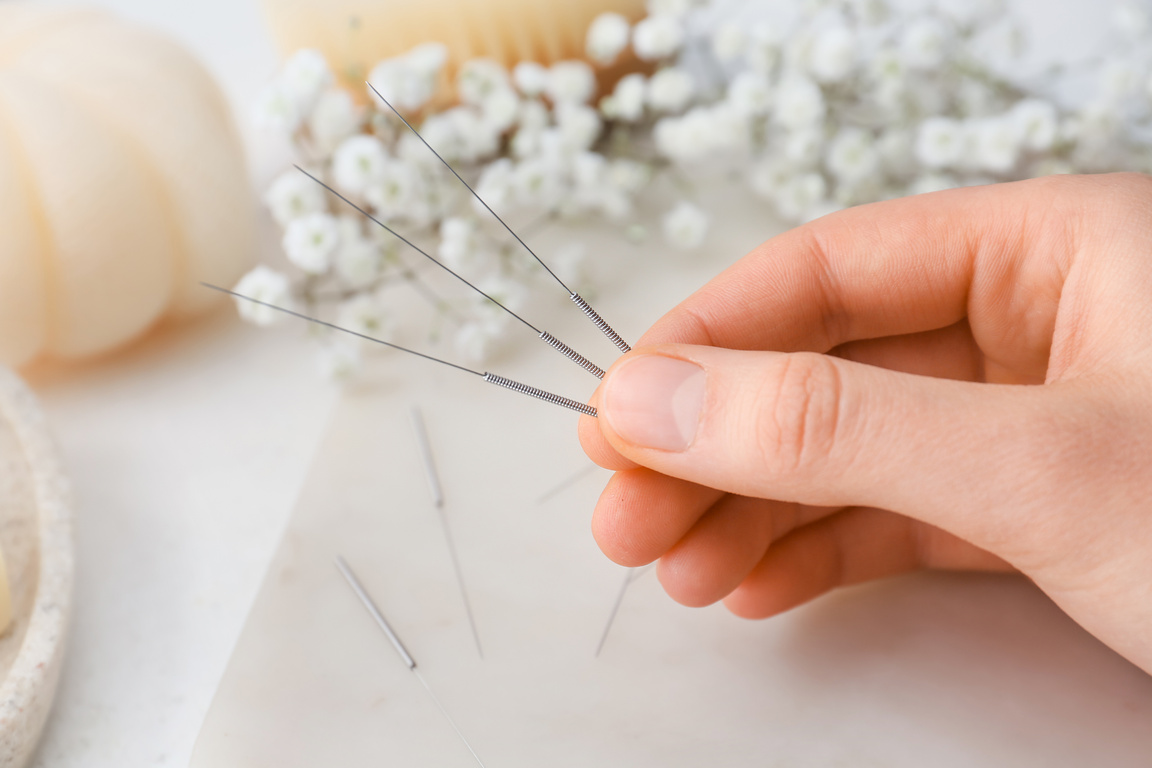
(355, 34)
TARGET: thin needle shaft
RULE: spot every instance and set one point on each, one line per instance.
(629, 577)
(491, 378)
(374, 611)
(417, 248)
(333, 326)
(438, 502)
(548, 338)
(453, 170)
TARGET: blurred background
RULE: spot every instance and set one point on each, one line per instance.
(186, 432)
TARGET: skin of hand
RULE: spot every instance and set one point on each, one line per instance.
(958, 380)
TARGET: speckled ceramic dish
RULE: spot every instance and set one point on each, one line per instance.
(36, 535)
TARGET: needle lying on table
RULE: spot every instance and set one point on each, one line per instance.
(491, 378)
(406, 657)
(438, 501)
(576, 298)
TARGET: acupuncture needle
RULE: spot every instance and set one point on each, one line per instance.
(576, 298)
(405, 656)
(433, 477)
(629, 577)
(491, 378)
(546, 337)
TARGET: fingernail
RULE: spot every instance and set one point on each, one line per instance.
(655, 402)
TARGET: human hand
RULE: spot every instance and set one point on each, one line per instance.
(891, 428)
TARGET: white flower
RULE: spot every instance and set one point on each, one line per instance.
(803, 147)
(276, 110)
(358, 163)
(531, 78)
(924, 43)
(1037, 123)
(570, 82)
(358, 260)
(685, 226)
(538, 183)
(670, 90)
(306, 76)
(267, 285)
(799, 103)
(570, 263)
(480, 77)
(657, 37)
(996, 143)
(365, 314)
(409, 82)
(833, 54)
(852, 155)
(396, 191)
(628, 175)
(333, 119)
(310, 241)
(940, 142)
(762, 51)
(458, 243)
(459, 134)
(750, 94)
(607, 36)
(579, 126)
(728, 42)
(496, 186)
(627, 100)
(801, 195)
(339, 360)
(501, 109)
(673, 8)
(293, 195)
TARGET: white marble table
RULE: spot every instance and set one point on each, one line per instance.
(187, 452)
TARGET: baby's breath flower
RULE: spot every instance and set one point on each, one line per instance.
(570, 82)
(366, 314)
(334, 118)
(799, 103)
(305, 76)
(579, 126)
(670, 90)
(728, 42)
(310, 241)
(833, 54)
(276, 110)
(339, 359)
(530, 78)
(293, 195)
(852, 155)
(996, 143)
(607, 37)
(627, 100)
(750, 94)
(479, 78)
(657, 37)
(358, 260)
(1037, 122)
(267, 285)
(501, 110)
(685, 226)
(924, 43)
(800, 195)
(939, 142)
(358, 163)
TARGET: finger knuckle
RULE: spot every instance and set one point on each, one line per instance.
(803, 396)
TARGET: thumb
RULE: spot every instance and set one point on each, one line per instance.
(820, 430)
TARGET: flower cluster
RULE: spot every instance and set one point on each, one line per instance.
(850, 101)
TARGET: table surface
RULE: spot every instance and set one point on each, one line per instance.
(187, 452)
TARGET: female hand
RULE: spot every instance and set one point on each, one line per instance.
(955, 380)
